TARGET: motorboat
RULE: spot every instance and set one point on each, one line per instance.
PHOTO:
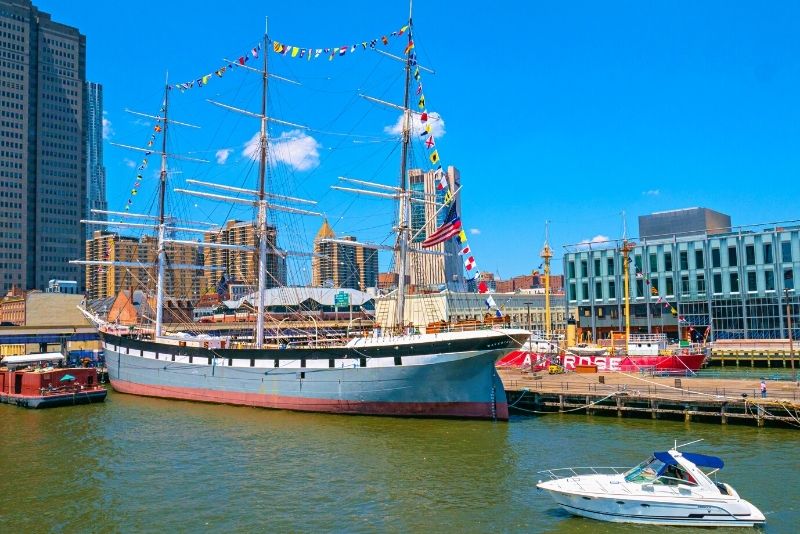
(669, 488)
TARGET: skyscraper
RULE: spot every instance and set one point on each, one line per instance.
(343, 265)
(427, 214)
(42, 147)
(95, 171)
(107, 281)
(242, 266)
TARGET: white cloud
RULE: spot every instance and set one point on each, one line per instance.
(434, 119)
(222, 155)
(475, 231)
(129, 162)
(294, 148)
(651, 192)
(108, 131)
(602, 240)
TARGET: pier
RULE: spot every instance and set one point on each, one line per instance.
(725, 401)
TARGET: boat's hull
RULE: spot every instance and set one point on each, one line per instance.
(459, 383)
(659, 363)
(689, 512)
(55, 400)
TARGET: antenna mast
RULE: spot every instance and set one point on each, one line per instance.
(405, 204)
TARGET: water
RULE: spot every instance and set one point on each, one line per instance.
(146, 465)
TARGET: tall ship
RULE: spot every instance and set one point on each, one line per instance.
(389, 367)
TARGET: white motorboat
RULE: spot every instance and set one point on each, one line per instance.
(668, 489)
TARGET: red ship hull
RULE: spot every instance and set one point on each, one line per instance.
(672, 362)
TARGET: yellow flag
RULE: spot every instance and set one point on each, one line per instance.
(462, 236)
(434, 157)
(448, 197)
(277, 46)
(295, 51)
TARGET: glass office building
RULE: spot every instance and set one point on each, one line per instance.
(736, 282)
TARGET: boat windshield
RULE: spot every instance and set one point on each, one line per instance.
(646, 472)
(654, 471)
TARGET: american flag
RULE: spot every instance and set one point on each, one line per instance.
(449, 228)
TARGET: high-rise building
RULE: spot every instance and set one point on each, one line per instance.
(108, 281)
(342, 265)
(95, 171)
(428, 212)
(42, 147)
(242, 266)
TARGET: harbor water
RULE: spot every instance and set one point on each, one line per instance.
(136, 464)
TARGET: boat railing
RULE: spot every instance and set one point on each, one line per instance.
(566, 472)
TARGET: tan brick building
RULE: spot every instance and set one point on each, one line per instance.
(108, 281)
(241, 266)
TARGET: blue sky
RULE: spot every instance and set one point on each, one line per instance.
(564, 111)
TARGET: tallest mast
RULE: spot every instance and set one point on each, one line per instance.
(405, 203)
(262, 200)
(161, 258)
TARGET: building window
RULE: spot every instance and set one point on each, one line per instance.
(571, 269)
(654, 286)
(613, 312)
(788, 278)
(637, 262)
(599, 311)
(585, 291)
(572, 291)
(610, 266)
(596, 267)
(717, 283)
(639, 287)
(786, 251)
(768, 253)
(670, 288)
(684, 285)
(701, 284)
(584, 268)
(732, 257)
(715, 257)
(769, 280)
(751, 282)
(598, 290)
(667, 261)
(684, 259)
(734, 282)
(612, 290)
(698, 259)
(750, 255)
(653, 262)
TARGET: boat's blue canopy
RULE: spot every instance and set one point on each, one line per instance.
(700, 460)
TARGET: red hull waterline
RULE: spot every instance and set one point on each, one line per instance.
(461, 410)
(679, 362)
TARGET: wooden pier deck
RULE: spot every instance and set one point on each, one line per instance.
(628, 395)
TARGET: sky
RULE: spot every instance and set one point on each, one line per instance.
(561, 111)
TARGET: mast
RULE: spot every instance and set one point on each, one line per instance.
(161, 258)
(405, 204)
(262, 202)
(546, 254)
